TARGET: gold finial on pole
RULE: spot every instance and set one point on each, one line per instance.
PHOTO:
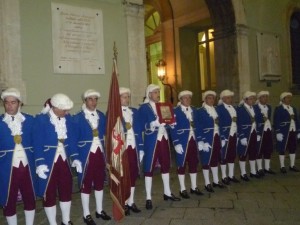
(115, 51)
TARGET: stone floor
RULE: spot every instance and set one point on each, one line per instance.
(275, 199)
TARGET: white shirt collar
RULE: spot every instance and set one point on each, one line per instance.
(185, 108)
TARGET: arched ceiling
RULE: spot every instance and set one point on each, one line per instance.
(196, 14)
(169, 9)
(223, 15)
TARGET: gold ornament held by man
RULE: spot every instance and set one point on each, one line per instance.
(217, 121)
(128, 125)
(18, 139)
(95, 133)
(292, 117)
(233, 119)
(192, 124)
(252, 120)
(61, 140)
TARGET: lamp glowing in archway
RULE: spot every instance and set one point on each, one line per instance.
(161, 74)
(161, 69)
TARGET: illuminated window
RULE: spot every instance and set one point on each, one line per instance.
(206, 60)
(153, 45)
(152, 24)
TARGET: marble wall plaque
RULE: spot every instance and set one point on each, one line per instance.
(268, 50)
(77, 36)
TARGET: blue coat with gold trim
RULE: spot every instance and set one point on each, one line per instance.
(7, 146)
(225, 121)
(180, 133)
(84, 137)
(205, 126)
(260, 121)
(244, 124)
(137, 129)
(45, 144)
(282, 122)
(147, 115)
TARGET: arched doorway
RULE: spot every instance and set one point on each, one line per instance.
(198, 44)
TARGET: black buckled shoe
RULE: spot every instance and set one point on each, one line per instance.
(184, 194)
(255, 175)
(89, 220)
(219, 185)
(233, 179)
(196, 191)
(134, 208)
(126, 210)
(261, 173)
(269, 171)
(245, 178)
(172, 197)
(226, 181)
(149, 204)
(283, 170)
(69, 223)
(209, 188)
(103, 215)
(294, 169)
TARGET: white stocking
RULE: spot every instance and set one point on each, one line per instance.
(65, 208)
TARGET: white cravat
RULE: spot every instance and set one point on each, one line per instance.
(291, 112)
(252, 114)
(14, 123)
(162, 132)
(188, 111)
(212, 113)
(128, 118)
(61, 132)
(264, 110)
(93, 119)
(232, 113)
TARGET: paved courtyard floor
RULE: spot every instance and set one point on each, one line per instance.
(272, 200)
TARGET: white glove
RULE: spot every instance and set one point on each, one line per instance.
(141, 155)
(41, 171)
(173, 125)
(206, 147)
(200, 145)
(76, 163)
(279, 137)
(244, 141)
(258, 137)
(179, 149)
(298, 136)
(223, 142)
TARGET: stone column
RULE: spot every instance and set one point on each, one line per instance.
(242, 46)
(10, 47)
(243, 58)
(134, 15)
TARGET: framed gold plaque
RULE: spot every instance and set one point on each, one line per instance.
(165, 113)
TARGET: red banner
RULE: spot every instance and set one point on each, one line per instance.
(116, 153)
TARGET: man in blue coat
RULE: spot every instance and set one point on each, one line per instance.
(247, 134)
(264, 127)
(90, 126)
(208, 137)
(134, 144)
(287, 128)
(228, 132)
(54, 146)
(17, 169)
(184, 140)
(156, 145)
